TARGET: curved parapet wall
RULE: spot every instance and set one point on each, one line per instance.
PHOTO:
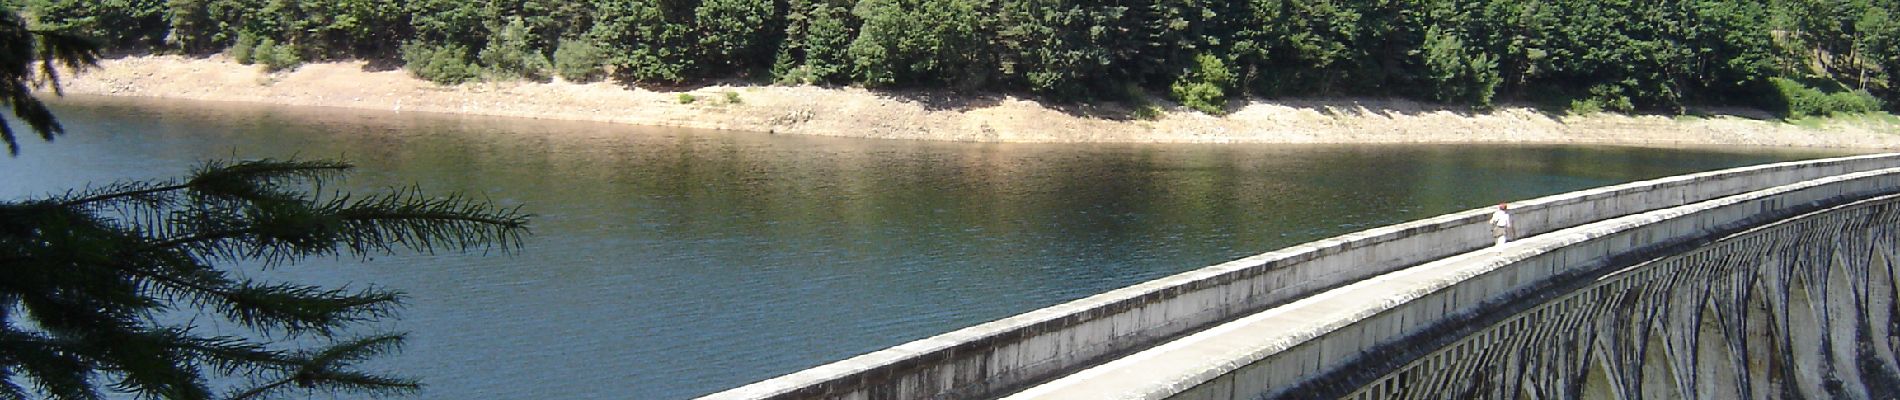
(1008, 354)
(1298, 350)
(1802, 308)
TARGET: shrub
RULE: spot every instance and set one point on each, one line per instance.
(1794, 99)
(1454, 74)
(579, 60)
(817, 43)
(446, 65)
(244, 49)
(508, 54)
(278, 58)
(1147, 112)
(1584, 107)
(1611, 97)
(1204, 88)
(909, 42)
(687, 98)
(263, 49)
(732, 98)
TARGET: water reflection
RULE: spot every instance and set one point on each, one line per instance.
(672, 263)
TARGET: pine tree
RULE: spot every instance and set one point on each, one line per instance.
(101, 289)
(84, 276)
(27, 58)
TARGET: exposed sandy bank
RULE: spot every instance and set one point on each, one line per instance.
(862, 113)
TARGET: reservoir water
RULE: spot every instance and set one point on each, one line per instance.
(671, 263)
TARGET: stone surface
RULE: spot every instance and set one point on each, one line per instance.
(1007, 355)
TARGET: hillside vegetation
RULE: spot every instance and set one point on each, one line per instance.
(1796, 57)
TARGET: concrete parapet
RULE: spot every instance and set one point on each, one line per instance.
(1006, 355)
(1798, 308)
(1273, 352)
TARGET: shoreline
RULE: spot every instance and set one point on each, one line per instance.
(857, 112)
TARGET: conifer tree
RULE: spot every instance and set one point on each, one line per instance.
(104, 289)
(92, 283)
(27, 59)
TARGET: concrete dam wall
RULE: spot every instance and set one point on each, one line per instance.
(1322, 345)
(1801, 308)
(1011, 354)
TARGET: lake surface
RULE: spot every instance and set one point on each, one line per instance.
(672, 263)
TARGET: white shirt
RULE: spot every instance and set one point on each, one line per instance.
(1501, 219)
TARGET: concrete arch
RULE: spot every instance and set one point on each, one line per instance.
(1716, 360)
(1659, 373)
(1806, 347)
(1599, 381)
(1765, 366)
(1881, 307)
(1840, 321)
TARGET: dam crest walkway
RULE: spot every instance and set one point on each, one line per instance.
(1757, 282)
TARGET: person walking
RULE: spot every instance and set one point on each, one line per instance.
(1501, 223)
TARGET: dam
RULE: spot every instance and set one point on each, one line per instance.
(753, 256)
(1767, 281)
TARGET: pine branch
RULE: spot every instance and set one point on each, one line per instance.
(150, 363)
(347, 353)
(261, 391)
(298, 309)
(408, 219)
(9, 390)
(259, 179)
(91, 268)
(362, 383)
(6, 135)
(325, 370)
(55, 372)
(280, 307)
(228, 354)
(143, 192)
(63, 49)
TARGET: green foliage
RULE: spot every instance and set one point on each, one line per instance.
(1059, 48)
(91, 281)
(1299, 47)
(1612, 97)
(447, 65)
(579, 60)
(245, 50)
(1146, 112)
(116, 23)
(1584, 107)
(911, 42)
(1141, 106)
(508, 54)
(277, 57)
(687, 98)
(92, 272)
(1800, 100)
(734, 34)
(445, 23)
(1453, 74)
(732, 98)
(27, 61)
(1650, 55)
(1880, 45)
(262, 53)
(818, 38)
(1204, 88)
(653, 43)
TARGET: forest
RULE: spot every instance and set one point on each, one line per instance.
(1793, 57)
